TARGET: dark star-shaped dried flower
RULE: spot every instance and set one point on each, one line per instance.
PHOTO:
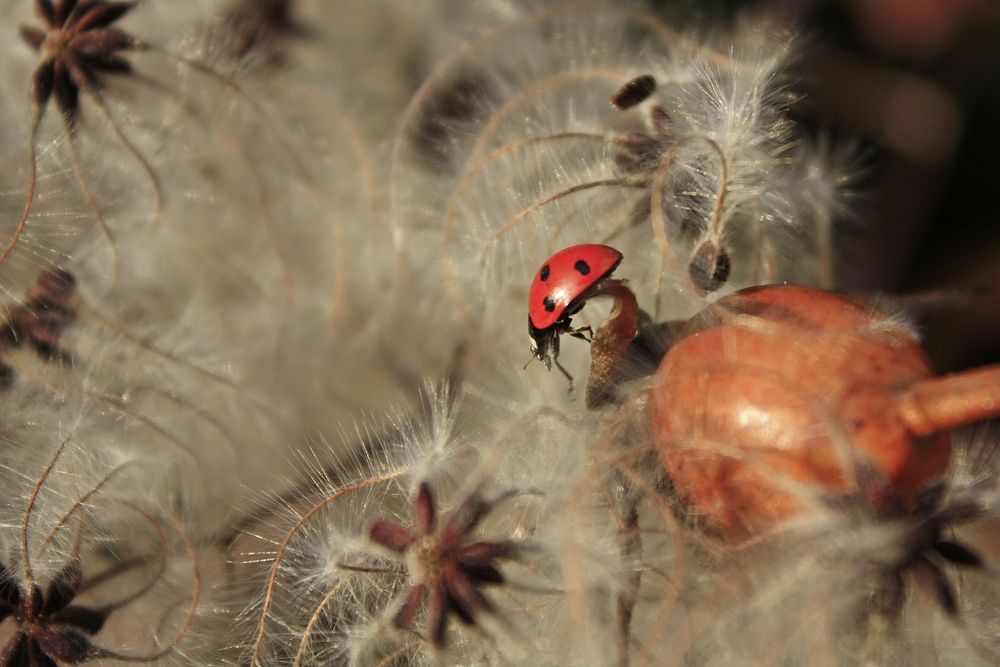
(927, 551)
(444, 565)
(49, 629)
(77, 44)
(41, 320)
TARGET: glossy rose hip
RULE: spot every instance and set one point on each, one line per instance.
(779, 396)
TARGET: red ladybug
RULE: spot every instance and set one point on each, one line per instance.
(559, 290)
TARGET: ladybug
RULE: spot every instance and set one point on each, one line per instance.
(560, 288)
(779, 399)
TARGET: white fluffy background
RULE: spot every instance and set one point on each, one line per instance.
(301, 278)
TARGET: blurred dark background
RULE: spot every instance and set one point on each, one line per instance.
(918, 82)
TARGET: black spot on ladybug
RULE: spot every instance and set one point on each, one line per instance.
(582, 267)
(549, 304)
(544, 274)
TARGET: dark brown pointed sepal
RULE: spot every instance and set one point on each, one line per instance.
(484, 553)
(465, 598)
(67, 93)
(437, 610)
(403, 620)
(86, 620)
(64, 10)
(63, 645)
(15, 652)
(37, 657)
(63, 589)
(482, 574)
(102, 14)
(957, 553)
(942, 588)
(42, 83)
(391, 536)
(32, 36)
(48, 13)
(426, 512)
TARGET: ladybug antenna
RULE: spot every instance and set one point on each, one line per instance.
(525, 367)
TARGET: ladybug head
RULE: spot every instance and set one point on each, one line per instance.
(545, 342)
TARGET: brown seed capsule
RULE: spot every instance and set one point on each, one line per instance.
(778, 397)
(709, 267)
(634, 92)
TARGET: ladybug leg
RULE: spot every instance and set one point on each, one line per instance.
(583, 333)
(565, 372)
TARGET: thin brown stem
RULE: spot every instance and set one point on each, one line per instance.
(136, 153)
(941, 403)
(76, 505)
(114, 403)
(267, 210)
(451, 214)
(118, 569)
(611, 339)
(312, 622)
(29, 579)
(149, 347)
(371, 570)
(668, 257)
(161, 535)
(192, 609)
(283, 547)
(714, 225)
(32, 183)
(92, 202)
(301, 170)
(548, 83)
(400, 651)
(663, 618)
(626, 520)
(543, 202)
(371, 183)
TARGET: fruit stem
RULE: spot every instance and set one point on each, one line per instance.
(611, 339)
(945, 402)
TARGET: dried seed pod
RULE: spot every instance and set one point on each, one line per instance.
(709, 267)
(634, 92)
(781, 396)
